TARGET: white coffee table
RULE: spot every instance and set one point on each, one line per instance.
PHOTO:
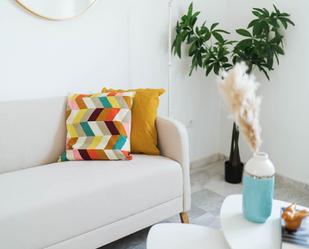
(242, 234)
(185, 236)
(236, 233)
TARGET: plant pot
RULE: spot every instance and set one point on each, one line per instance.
(258, 188)
(234, 167)
(233, 173)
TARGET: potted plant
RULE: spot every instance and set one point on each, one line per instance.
(260, 45)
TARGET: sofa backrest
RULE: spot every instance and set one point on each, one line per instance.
(32, 132)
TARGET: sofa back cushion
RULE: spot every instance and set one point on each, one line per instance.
(32, 132)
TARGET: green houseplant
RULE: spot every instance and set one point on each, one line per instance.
(260, 45)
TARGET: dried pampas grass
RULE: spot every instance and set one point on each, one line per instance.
(238, 89)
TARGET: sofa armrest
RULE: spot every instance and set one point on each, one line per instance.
(174, 143)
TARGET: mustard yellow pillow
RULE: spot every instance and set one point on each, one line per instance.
(144, 113)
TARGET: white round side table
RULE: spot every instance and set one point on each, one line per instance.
(243, 234)
(185, 236)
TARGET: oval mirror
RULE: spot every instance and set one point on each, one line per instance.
(56, 9)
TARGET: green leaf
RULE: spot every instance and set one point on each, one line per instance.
(209, 68)
(266, 12)
(222, 31)
(191, 70)
(278, 49)
(217, 68)
(196, 14)
(287, 20)
(284, 23)
(224, 59)
(183, 36)
(192, 49)
(230, 42)
(284, 14)
(243, 32)
(265, 72)
(190, 10)
(256, 13)
(235, 59)
(218, 37)
(206, 58)
(199, 60)
(193, 65)
(184, 18)
(204, 29)
(178, 50)
(214, 25)
(253, 22)
(277, 11)
(197, 30)
(227, 65)
(192, 21)
(274, 23)
(259, 27)
(177, 46)
(277, 59)
(243, 44)
(259, 10)
(207, 36)
(277, 39)
(191, 39)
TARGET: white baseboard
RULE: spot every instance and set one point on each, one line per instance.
(291, 182)
(207, 160)
(217, 157)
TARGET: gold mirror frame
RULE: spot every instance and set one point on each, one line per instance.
(19, 2)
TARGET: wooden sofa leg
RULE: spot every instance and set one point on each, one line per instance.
(184, 217)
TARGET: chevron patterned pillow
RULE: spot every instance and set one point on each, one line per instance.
(98, 126)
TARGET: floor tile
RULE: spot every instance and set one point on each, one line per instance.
(208, 200)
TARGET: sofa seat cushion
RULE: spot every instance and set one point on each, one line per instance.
(44, 205)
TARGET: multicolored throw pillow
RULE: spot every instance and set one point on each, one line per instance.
(98, 126)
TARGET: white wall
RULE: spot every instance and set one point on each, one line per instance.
(42, 58)
(124, 44)
(116, 43)
(285, 113)
(196, 98)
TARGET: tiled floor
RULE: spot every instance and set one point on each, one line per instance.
(208, 192)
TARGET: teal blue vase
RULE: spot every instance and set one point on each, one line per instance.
(258, 188)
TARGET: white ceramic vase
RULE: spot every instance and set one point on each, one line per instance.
(258, 188)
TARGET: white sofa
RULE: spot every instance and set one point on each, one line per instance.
(85, 204)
